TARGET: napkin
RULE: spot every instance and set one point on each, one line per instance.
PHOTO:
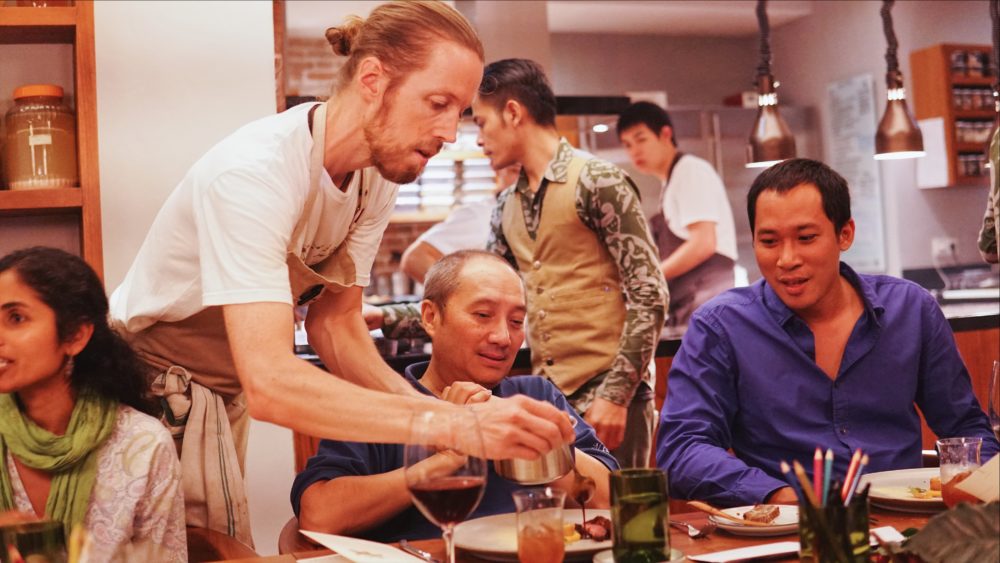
(984, 483)
(361, 551)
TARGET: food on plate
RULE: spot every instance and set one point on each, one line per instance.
(570, 534)
(935, 483)
(597, 528)
(765, 513)
(917, 492)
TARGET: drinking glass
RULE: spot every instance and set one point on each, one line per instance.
(959, 458)
(446, 484)
(540, 525)
(994, 399)
(639, 513)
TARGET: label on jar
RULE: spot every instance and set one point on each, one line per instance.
(35, 140)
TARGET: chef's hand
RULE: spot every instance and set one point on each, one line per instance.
(608, 420)
(521, 427)
(466, 393)
(373, 316)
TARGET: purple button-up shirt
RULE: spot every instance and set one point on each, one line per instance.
(746, 379)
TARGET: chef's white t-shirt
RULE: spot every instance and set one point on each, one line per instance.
(221, 237)
(696, 193)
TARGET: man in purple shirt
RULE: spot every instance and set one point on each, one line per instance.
(812, 355)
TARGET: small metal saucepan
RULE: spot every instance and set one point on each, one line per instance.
(553, 465)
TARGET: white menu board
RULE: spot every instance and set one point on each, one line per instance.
(850, 151)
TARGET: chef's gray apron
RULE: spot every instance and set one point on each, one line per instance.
(706, 280)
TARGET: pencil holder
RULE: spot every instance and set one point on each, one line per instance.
(834, 533)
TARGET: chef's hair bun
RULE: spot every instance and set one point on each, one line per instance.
(342, 37)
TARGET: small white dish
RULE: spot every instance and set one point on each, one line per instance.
(786, 523)
(607, 556)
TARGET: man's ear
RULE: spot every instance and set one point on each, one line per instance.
(79, 339)
(372, 78)
(430, 317)
(845, 238)
(513, 112)
(666, 133)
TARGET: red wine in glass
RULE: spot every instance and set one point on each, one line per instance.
(449, 500)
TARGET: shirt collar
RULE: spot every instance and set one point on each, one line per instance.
(414, 372)
(872, 302)
(557, 170)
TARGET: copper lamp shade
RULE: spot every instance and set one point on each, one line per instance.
(771, 140)
(898, 135)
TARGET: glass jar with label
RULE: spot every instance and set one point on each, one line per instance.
(40, 147)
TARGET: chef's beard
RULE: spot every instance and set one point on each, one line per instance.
(393, 159)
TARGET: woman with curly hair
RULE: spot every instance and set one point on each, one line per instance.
(77, 442)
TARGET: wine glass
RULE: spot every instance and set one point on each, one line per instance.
(994, 399)
(446, 484)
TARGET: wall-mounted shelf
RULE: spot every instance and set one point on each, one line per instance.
(72, 25)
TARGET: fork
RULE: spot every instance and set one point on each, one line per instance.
(693, 532)
(405, 546)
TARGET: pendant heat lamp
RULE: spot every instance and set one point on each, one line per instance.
(771, 141)
(898, 135)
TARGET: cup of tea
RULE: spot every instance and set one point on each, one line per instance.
(959, 458)
(639, 513)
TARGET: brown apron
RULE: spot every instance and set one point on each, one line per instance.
(690, 289)
(197, 372)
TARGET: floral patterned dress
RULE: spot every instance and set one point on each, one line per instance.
(136, 510)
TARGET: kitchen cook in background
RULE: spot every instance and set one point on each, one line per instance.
(814, 354)
(288, 210)
(573, 227)
(990, 231)
(693, 225)
(467, 226)
(474, 309)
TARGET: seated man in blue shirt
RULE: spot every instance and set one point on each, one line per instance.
(474, 309)
(812, 355)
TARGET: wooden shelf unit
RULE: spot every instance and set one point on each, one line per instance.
(933, 87)
(68, 25)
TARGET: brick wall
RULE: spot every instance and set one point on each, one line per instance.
(397, 237)
(310, 66)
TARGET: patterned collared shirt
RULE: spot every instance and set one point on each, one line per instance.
(607, 202)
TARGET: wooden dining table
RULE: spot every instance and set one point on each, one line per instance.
(716, 541)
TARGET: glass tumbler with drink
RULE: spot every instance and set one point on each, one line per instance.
(639, 514)
(446, 484)
(540, 525)
(959, 458)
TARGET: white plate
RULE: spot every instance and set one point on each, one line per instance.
(890, 489)
(787, 522)
(495, 537)
(607, 556)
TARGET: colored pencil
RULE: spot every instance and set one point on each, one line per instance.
(827, 474)
(800, 472)
(852, 468)
(786, 470)
(818, 473)
(857, 479)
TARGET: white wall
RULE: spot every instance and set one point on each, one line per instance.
(173, 78)
(843, 39)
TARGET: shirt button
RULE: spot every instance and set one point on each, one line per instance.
(549, 361)
(536, 265)
(843, 430)
(541, 314)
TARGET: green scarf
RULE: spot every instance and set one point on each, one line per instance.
(70, 458)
